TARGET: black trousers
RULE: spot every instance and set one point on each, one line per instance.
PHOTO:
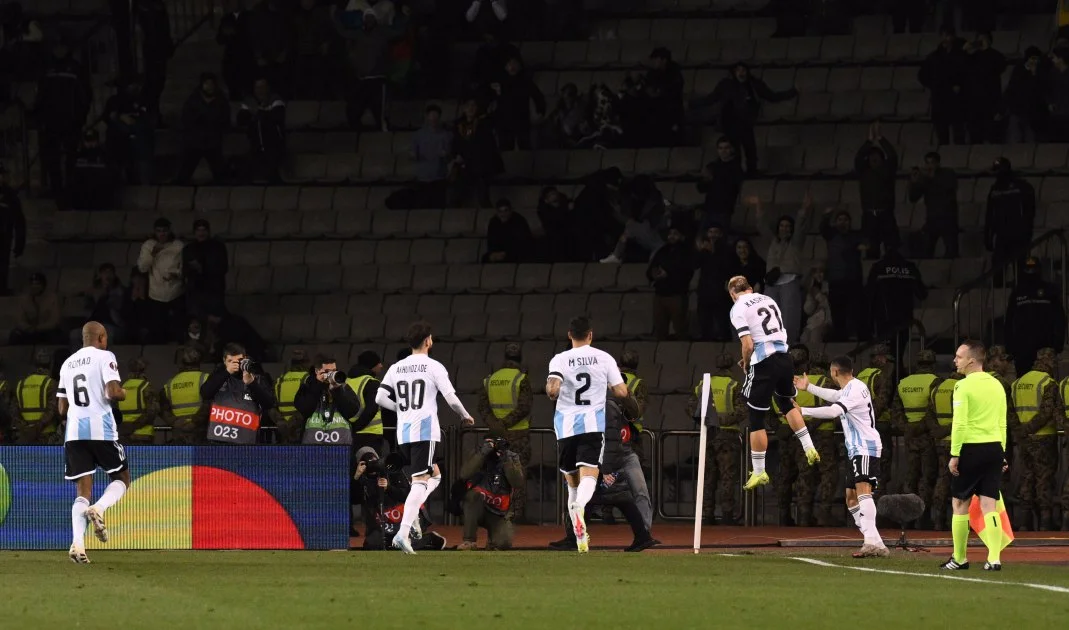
(879, 228)
(944, 231)
(191, 157)
(467, 184)
(846, 309)
(58, 153)
(363, 95)
(742, 136)
(908, 15)
(949, 128)
(517, 135)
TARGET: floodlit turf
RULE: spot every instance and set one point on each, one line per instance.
(513, 590)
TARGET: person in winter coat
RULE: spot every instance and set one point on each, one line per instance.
(983, 88)
(1010, 217)
(368, 33)
(876, 165)
(476, 159)
(205, 120)
(721, 180)
(239, 58)
(938, 187)
(131, 131)
(714, 263)
(161, 259)
(264, 117)
(1025, 100)
(943, 74)
(12, 229)
(64, 94)
(1057, 91)
(670, 271)
(515, 91)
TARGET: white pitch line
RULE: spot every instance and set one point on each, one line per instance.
(941, 576)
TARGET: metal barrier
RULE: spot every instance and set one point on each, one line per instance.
(663, 495)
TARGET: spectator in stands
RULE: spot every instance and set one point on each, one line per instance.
(104, 304)
(983, 88)
(205, 120)
(204, 265)
(818, 322)
(606, 128)
(22, 43)
(131, 131)
(37, 315)
(138, 310)
(663, 100)
(943, 74)
(490, 60)
(498, 7)
(938, 187)
(313, 37)
(508, 237)
(894, 286)
(161, 259)
(908, 15)
(64, 94)
(595, 210)
(740, 96)
(1010, 216)
(721, 181)
(264, 117)
(12, 229)
(557, 215)
(1025, 99)
(368, 33)
(645, 215)
(570, 120)
(431, 147)
(843, 273)
(786, 269)
(476, 159)
(239, 58)
(1058, 96)
(747, 262)
(94, 182)
(198, 337)
(156, 48)
(670, 271)
(714, 262)
(1035, 317)
(876, 165)
(220, 326)
(271, 38)
(513, 95)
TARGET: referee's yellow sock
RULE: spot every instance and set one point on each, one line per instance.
(959, 525)
(992, 537)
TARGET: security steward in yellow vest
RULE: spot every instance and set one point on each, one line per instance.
(181, 406)
(828, 445)
(628, 363)
(879, 378)
(908, 409)
(7, 434)
(724, 455)
(796, 478)
(364, 379)
(141, 408)
(1037, 401)
(34, 413)
(505, 402)
(939, 418)
(289, 425)
(1000, 365)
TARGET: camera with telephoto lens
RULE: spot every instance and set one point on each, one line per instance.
(336, 377)
(376, 467)
(250, 366)
(500, 445)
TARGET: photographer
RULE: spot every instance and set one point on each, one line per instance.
(383, 488)
(240, 396)
(326, 404)
(489, 477)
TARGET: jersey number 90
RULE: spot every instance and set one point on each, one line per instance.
(410, 397)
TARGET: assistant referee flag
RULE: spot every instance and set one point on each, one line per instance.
(979, 412)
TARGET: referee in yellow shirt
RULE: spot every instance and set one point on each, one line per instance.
(977, 454)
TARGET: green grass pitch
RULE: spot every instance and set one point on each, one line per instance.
(609, 590)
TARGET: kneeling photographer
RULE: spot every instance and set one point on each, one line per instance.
(384, 487)
(239, 394)
(486, 483)
(327, 404)
(616, 487)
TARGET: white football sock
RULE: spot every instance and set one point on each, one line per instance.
(587, 485)
(855, 512)
(757, 458)
(432, 484)
(868, 519)
(473, 11)
(413, 503)
(571, 494)
(803, 436)
(78, 520)
(111, 496)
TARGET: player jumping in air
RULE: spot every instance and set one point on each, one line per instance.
(89, 383)
(410, 388)
(578, 379)
(769, 372)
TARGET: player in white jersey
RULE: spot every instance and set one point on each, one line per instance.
(769, 372)
(410, 388)
(852, 404)
(578, 381)
(89, 383)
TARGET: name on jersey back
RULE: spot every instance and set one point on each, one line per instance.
(409, 369)
(79, 362)
(582, 361)
(756, 300)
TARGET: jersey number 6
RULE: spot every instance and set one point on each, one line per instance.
(768, 313)
(81, 394)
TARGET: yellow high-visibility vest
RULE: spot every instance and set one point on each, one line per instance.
(357, 384)
(868, 376)
(1027, 394)
(1064, 388)
(134, 405)
(915, 391)
(503, 390)
(722, 394)
(943, 401)
(286, 390)
(633, 382)
(32, 398)
(184, 393)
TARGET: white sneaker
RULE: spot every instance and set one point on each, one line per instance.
(611, 258)
(417, 531)
(96, 518)
(501, 10)
(473, 11)
(582, 537)
(77, 554)
(402, 543)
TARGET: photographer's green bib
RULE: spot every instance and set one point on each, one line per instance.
(325, 427)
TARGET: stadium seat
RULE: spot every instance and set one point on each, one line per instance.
(287, 253)
(463, 278)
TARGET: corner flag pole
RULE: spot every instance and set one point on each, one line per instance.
(698, 500)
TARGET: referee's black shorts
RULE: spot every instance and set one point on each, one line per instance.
(979, 471)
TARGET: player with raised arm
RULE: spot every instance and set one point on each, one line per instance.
(769, 372)
(852, 404)
(578, 380)
(89, 383)
(410, 388)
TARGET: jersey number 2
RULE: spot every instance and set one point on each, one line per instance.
(769, 313)
(81, 393)
(416, 402)
(585, 378)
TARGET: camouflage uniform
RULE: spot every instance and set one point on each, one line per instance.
(941, 493)
(999, 364)
(794, 473)
(828, 445)
(149, 414)
(1039, 452)
(921, 459)
(723, 456)
(519, 441)
(33, 432)
(193, 429)
(883, 390)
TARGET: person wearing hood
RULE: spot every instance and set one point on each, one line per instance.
(1011, 215)
(740, 96)
(263, 114)
(1025, 99)
(205, 120)
(368, 33)
(1035, 317)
